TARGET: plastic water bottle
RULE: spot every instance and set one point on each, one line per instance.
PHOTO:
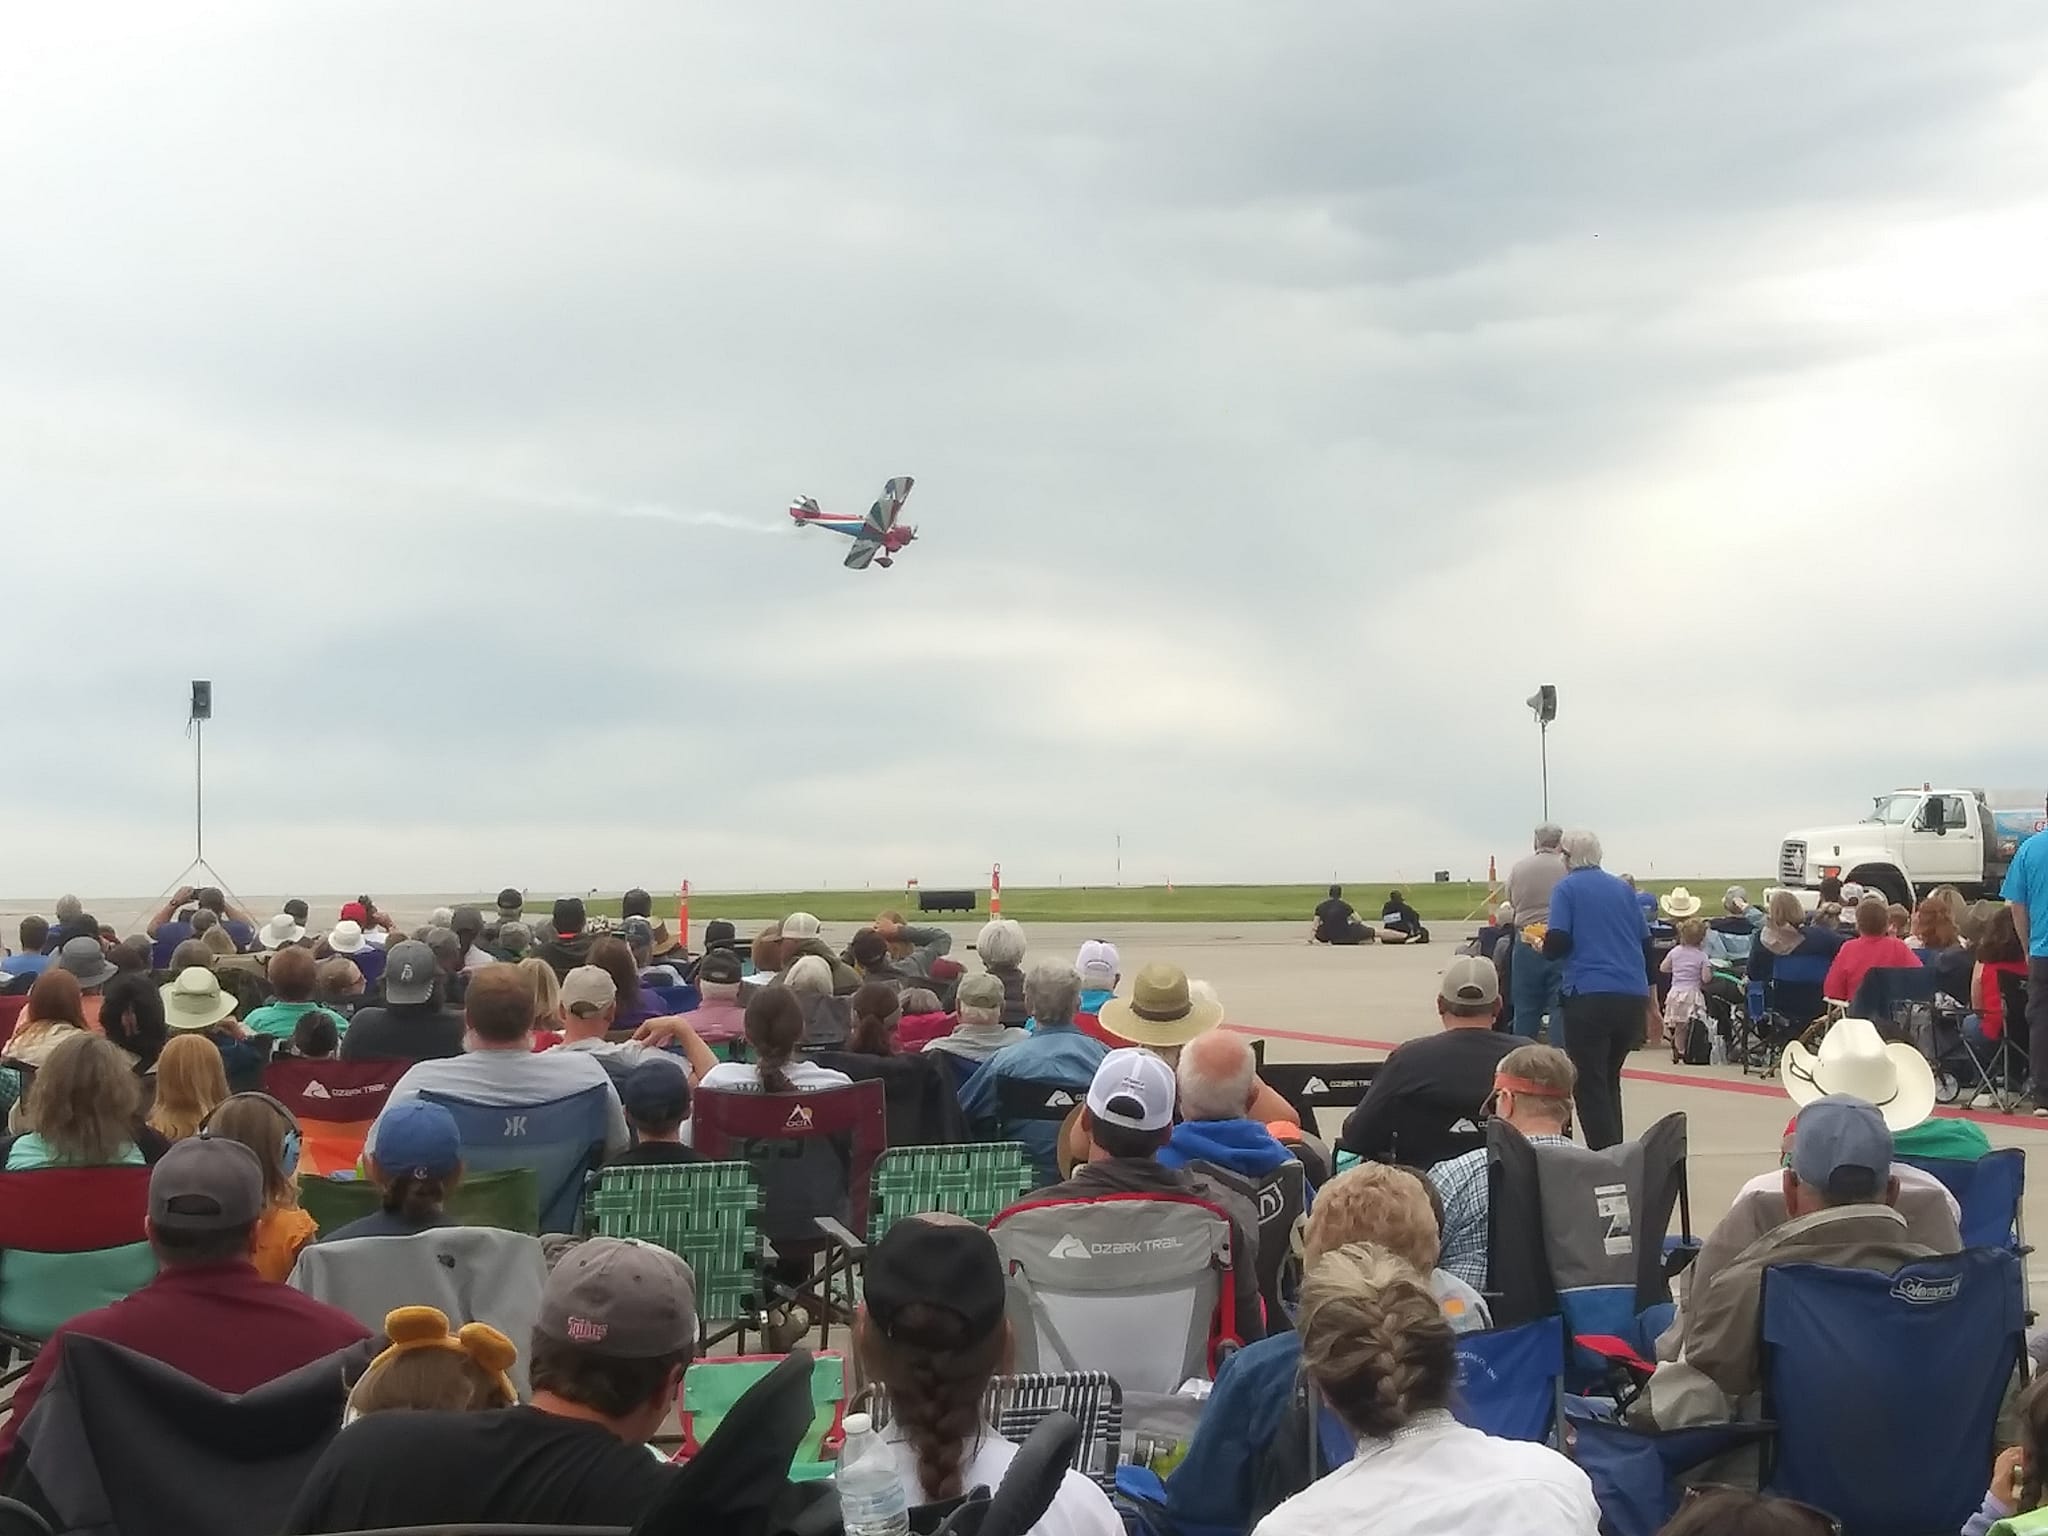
(872, 1500)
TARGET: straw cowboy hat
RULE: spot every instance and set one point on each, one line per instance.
(1161, 1010)
(195, 1000)
(1854, 1059)
(1680, 902)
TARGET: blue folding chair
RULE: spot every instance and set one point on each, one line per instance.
(1635, 1472)
(561, 1141)
(1511, 1381)
(683, 999)
(1778, 1009)
(1885, 1389)
(1992, 1191)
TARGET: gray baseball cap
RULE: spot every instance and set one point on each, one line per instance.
(1470, 982)
(1839, 1134)
(409, 972)
(619, 1297)
(206, 1184)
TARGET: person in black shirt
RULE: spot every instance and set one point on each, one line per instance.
(414, 1024)
(1401, 923)
(1428, 1102)
(617, 1329)
(656, 1098)
(1337, 921)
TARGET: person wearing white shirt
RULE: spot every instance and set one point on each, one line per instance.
(1377, 1346)
(932, 1332)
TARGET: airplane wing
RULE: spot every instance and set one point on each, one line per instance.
(864, 550)
(882, 515)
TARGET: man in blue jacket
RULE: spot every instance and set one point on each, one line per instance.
(1218, 1081)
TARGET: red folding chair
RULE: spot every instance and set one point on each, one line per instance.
(336, 1103)
(71, 1240)
(813, 1154)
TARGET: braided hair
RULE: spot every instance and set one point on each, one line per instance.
(1374, 1340)
(775, 1026)
(936, 1376)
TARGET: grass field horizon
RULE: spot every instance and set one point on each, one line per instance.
(1449, 902)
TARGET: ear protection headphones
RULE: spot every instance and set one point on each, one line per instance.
(293, 1140)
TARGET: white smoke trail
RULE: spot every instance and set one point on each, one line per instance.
(554, 501)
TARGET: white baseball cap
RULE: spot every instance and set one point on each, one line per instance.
(800, 925)
(1133, 1089)
(1098, 961)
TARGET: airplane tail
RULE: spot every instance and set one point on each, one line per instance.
(802, 509)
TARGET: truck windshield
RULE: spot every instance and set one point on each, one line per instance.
(1895, 810)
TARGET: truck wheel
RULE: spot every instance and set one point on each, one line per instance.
(1889, 882)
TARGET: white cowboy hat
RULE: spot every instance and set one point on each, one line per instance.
(1854, 1059)
(346, 938)
(280, 931)
(1680, 902)
(1163, 1010)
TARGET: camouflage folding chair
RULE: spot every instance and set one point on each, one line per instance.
(975, 1181)
(709, 1215)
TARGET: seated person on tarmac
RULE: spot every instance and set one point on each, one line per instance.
(1337, 921)
(1400, 923)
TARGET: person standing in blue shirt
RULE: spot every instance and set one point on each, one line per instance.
(2026, 889)
(1057, 1053)
(1599, 932)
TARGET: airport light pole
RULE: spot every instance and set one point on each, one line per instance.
(1543, 703)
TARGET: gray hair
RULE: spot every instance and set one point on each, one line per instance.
(441, 917)
(1549, 835)
(69, 909)
(811, 974)
(444, 944)
(1052, 993)
(1000, 942)
(1216, 1073)
(1582, 849)
(920, 1000)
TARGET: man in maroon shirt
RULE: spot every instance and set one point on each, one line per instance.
(207, 1312)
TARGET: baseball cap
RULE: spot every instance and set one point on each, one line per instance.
(466, 918)
(656, 1093)
(1852, 893)
(718, 932)
(945, 1263)
(980, 990)
(1098, 961)
(569, 915)
(635, 903)
(354, 912)
(206, 1184)
(1836, 1135)
(618, 1297)
(637, 930)
(1470, 982)
(418, 1137)
(1133, 1089)
(510, 900)
(720, 967)
(589, 989)
(800, 925)
(409, 972)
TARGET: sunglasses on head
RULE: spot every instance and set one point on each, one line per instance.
(1823, 1523)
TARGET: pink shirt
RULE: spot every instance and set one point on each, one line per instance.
(1688, 968)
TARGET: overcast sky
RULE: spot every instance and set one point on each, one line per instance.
(1290, 387)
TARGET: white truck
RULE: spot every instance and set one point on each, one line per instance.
(1916, 839)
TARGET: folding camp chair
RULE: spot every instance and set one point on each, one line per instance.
(674, 1000)
(975, 1180)
(1885, 1389)
(1313, 1085)
(561, 1141)
(814, 1154)
(921, 1101)
(1281, 1196)
(1780, 1009)
(711, 1389)
(1992, 1191)
(1638, 1474)
(335, 1102)
(708, 1214)
(502, 1198)
(1136, 1285)
(1016, 1405)
(1511, 1381)
(71, 1240)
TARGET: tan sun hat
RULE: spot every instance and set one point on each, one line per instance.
(1161, 1010)
(194, 1000)
(1854, 1059)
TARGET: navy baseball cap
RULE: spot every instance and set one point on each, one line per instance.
(656, 1093)
(419, 1138)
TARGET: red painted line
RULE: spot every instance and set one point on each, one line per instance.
(1768, 1090)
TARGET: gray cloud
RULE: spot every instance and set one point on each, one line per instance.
(1289, 390)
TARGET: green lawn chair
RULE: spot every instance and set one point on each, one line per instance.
(709, 1214)
(504, 1197)
(711, 1387)
(976, 1181)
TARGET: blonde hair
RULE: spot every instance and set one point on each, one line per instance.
(83, 1101)
(1375, 1203)
(1693, 932)
(190, 1082)
(1374, 1340)
(547, 990)
(1785, 911)
(429, 1369)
